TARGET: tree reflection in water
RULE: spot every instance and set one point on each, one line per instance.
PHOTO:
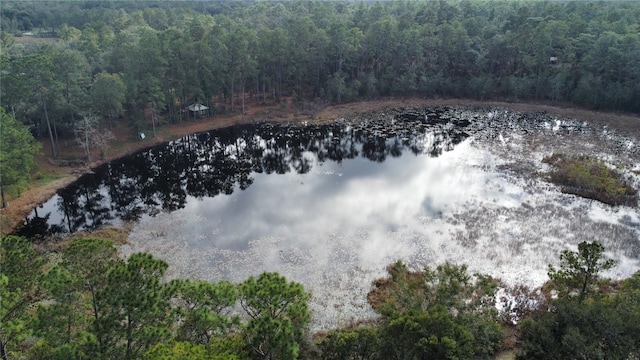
(219, 162)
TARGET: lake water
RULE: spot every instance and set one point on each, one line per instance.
(332, 205)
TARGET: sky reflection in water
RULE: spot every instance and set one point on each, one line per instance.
(337, 227)
(339, 199)
(320, 207)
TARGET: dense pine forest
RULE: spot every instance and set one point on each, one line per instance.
(74, 69)
(114, 59)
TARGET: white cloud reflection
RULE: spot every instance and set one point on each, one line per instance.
(336, 228)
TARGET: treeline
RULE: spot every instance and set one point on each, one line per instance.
(79, 300)
(125, 57)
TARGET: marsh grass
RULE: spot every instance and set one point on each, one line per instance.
(590, 178)
(118, 235)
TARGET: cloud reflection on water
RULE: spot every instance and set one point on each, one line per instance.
(337, 227)
(318, 205)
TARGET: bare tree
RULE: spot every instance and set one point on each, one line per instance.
(88, 135)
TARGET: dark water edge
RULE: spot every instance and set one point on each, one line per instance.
(222, 161)
(219, 162)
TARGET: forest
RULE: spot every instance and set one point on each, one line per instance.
(71, 67)
(72, 70)
(78, 299)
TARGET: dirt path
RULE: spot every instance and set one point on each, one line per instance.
(128, 143)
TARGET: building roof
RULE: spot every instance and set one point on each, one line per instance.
(197, 107)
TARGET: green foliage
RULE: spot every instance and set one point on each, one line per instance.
(90, 304)
(278, 314)
(6, 40)
(448, 285)
(588, 330)
(90, 260)
(19, 289)
(19, 261)
(177, 350)
(134, 314)
(203, 309)
(595, 327)
(224, 348)
(61, 319)
(108, 94)
(71, 320)
(357, 343)
(627, 304)
(17, 150)
(579, 271)
(434, 334)
(592, 179)
(444, 313)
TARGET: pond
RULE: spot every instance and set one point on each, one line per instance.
(331, 205)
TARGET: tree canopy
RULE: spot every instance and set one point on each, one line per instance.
(17, 151)
(582, 322)
(579, 271)
(150, 60)
(87, 302)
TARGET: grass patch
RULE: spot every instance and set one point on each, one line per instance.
(115, 234)
(590, 178)
(41, 178)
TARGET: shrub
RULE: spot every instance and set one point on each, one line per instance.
(590, 178)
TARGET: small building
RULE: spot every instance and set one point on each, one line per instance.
(198, 109)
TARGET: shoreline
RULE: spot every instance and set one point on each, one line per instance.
(21, 206)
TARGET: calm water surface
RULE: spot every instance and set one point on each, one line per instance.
(332, 205)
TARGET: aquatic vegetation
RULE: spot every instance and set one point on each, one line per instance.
(590, 178)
